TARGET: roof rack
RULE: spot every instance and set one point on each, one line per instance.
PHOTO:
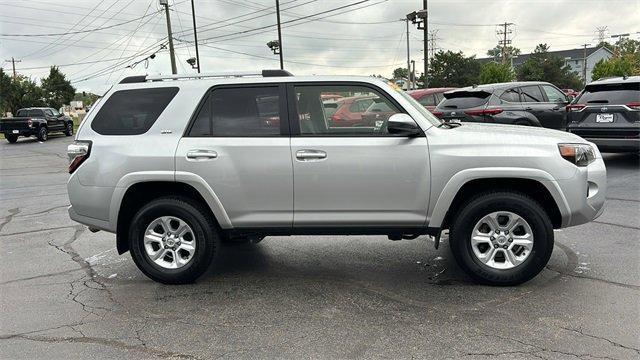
(264, 73)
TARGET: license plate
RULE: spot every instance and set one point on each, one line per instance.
(455, 120)
(16, 132)
(604, 118)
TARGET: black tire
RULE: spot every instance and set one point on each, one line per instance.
(206, 236)
(484, 204)
(68, 130)
(11, 138)
(43, 134)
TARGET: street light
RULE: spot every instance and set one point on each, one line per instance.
(274, 45)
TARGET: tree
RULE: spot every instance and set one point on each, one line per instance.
(492, 72)
(401, 73)
(19, 93)
(453, 69)
(624, 62)
(5, 90)
(57, 89)
(496, 53)
(542, 66)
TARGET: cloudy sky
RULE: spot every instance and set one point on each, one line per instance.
(102, 38)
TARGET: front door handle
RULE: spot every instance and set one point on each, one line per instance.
(201, 154)
(310, 155)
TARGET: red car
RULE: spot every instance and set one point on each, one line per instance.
(570, 92)
(429, 98)
(350, 110)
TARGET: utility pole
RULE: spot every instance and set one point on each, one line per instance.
(172, 53)
(279, 34)
(408, 58)
(426, 43)
(433, 36)
(195, 34)
(504, 42)
(584, 63)
(602, 33)
(13, 64)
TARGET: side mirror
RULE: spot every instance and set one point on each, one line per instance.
(404, 125)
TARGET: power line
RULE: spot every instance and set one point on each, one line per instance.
(80, 31)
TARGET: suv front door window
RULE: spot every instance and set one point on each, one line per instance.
(360, 175)
(550, 114)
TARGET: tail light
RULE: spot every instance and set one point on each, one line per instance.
(29, 123)
(575, 107)
(78, 152)
(437, 113)
(487, 111)
(635, 105)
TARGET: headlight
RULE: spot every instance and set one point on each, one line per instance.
(578, 154)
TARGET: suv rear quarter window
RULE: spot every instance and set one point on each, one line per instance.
(132, 112)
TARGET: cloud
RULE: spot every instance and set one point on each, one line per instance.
(362, 42)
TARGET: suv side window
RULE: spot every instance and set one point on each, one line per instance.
(48, 112)
(553, 94)
(312, 119)
(511, 95)
(531, 93)
(132, 112)
(240, 112)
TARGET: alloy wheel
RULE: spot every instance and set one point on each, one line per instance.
(169, 242)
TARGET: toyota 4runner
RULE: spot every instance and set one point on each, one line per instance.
(175, 166)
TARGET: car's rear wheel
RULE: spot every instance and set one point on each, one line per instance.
(43, 134)
(502, 238)
(69, 129)
(173, 240)
(11, 138)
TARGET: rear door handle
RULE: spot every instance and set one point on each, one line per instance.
(201, 154)
(310, 155)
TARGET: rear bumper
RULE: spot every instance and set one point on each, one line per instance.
(618, 139)
(616, 145)
(20, 132)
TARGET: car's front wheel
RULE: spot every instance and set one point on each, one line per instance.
(173, 240)
(11, 138)
(502, 238)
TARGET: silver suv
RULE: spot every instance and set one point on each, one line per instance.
(176, 166)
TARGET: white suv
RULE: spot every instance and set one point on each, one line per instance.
(175, 166)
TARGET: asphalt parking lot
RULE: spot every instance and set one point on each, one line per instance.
(66, 293)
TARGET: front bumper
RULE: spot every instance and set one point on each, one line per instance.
(585, 193)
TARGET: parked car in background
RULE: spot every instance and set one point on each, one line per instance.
(607, 113)
(531, 103)
(429, 98)
(35, 121)
(571, 93)
(377, 114)
(349, 112)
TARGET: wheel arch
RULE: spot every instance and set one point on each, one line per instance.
(140, 193)
(535, 183)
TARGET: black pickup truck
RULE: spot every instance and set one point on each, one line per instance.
(35, 121)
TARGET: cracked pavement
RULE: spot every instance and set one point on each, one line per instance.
(65, 293)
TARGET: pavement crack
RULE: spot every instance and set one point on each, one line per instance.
(618, 225)
(40, 230)
(581, 332)
(45, 211)
(7, 219)
(40, 276)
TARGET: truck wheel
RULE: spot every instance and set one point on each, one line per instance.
(43, 134)
(11, 138)
(69, 129)
(173, 240)
(502, 238)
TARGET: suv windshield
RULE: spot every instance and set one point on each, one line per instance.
(610, 94)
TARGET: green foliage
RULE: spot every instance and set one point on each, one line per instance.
(495, 73)
(57, 89)
(400, 73)
(542, 66)
(625, 61)
(5, 85)
(18, 93)
(453, 69)
(496, 52)
(87, 98)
